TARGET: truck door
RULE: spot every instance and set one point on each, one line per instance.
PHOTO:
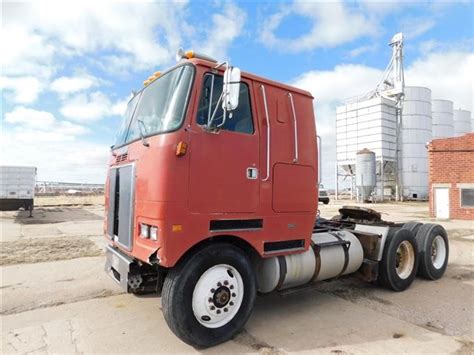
(224, 167)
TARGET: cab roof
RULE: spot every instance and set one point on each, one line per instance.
(211, 65)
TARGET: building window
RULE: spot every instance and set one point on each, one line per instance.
(467, 197)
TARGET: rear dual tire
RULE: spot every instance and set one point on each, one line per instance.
(433, 246)
(208, 297)
(399, 261)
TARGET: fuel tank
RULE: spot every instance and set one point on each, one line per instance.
(332, 254)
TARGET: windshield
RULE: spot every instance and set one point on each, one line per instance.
(159, 108)
(122, 133)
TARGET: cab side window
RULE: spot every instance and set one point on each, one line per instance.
(239, 120)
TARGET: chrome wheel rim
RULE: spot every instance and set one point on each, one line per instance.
(217, 296)
(405, 259)
(438, 252)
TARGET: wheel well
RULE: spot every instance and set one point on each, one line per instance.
(230, 239)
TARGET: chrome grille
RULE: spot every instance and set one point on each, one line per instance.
(121, 202)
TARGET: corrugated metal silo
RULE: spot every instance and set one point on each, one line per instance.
(416, 131)
(366, 178)
(442, 116)
(462, 122)
(370, 124)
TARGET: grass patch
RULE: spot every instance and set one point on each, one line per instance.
(28, 251)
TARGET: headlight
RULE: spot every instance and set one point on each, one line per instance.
(154, 233)
(144, 231)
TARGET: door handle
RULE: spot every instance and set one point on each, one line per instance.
(252, 173)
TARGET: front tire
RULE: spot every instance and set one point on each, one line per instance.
(433, 247)
(399, 262)
(208, 297)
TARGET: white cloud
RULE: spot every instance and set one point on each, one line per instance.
(448, 74)
(24, 52)
(225, 28)
(41, 126)
(362, 50)
(37, 138)
(72, 84)
(333, 23)
(22, 90)
(90, 107)
(56, 160)
(413, 27)
(147, 32)
(33, 118)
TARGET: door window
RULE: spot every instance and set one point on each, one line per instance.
(239, 120)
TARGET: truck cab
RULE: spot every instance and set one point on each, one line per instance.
(174, 183)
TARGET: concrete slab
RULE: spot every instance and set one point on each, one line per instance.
(81, 228)
(118, 324)
(9, 230)
(304, 323)
(309, 321)
(30, 286)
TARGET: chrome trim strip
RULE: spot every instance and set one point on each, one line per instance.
(295, 160)
(262, 87)
(283, 250)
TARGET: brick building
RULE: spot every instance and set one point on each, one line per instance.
(451, 181)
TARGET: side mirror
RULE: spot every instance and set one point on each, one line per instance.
(231, 89)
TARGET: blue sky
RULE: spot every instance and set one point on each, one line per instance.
(68, 68)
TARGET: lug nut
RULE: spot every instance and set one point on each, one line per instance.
(219, 284)
(210, 299)
(225, 309)
(231, 287)
(213, 308)
(218, 311)
(226, 282)
(231, 303)
(233, 294)
(213, 290)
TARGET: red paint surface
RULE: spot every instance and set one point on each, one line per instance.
(209, 182)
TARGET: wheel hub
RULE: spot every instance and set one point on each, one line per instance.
(404, 259)
(217, 296)
(221, 296)
(438, 252)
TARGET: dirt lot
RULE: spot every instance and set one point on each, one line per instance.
(57, 299)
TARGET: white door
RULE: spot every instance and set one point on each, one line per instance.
(442, 202)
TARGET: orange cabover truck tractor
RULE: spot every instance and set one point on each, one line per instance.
(212, 198)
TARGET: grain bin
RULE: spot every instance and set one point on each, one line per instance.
(442, 115)
(366, 178)
(462, 122)
(416, 132)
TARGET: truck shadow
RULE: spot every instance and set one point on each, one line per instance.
(51, 215)
(312, 320)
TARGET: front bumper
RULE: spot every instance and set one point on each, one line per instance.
(117, 266)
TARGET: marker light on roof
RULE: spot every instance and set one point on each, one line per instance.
(181, 54)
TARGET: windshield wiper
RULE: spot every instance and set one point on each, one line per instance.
(141, 125)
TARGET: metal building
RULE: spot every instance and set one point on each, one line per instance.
(442, 116)
(415, 135)
(462, 122)
(369, 124)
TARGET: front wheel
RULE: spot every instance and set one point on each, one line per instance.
(208, 298)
